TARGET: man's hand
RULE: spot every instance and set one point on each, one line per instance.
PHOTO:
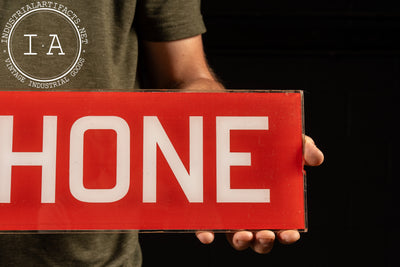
(263, 241)
(182, 65)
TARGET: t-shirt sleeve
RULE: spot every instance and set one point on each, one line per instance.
(168, 20)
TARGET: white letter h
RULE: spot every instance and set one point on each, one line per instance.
(46, 158)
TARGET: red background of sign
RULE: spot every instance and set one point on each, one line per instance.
(277, 161)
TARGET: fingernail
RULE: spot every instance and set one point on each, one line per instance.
(284, 239)
(264, 241)
(241, 243)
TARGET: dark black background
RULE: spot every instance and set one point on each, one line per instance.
(345, 56)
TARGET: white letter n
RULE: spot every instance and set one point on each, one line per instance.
(153, 135)
(46, 158)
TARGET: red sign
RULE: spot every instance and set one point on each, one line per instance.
(170, 161)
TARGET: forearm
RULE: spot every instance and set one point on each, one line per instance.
(201, 85)
(180, 64)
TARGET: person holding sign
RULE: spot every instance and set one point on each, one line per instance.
(90, 45)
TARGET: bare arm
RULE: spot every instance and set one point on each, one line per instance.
(180, 65)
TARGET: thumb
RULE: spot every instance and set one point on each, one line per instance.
(312, 155)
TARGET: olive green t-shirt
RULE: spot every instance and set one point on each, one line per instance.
(81, 45)
(85, 44)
